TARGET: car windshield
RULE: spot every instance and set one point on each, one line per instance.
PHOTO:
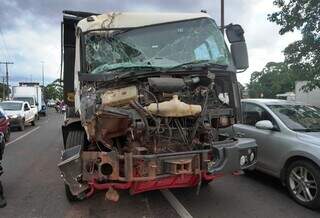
(162, 46)
(298, 117)
(11, 106)
(30, 100)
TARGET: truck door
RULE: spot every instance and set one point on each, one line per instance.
(27, 112)
(68, 41)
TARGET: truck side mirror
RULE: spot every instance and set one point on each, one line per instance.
(239, 52)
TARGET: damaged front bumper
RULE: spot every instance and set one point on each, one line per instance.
(86, 171)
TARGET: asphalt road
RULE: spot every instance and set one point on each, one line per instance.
(33, 188)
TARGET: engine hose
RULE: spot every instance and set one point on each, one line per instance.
(143, 116)
(204, 110)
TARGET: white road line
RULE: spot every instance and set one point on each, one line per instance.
(175, 203)
(22, 136)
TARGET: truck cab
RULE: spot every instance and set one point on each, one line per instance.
(148, 96)
(32, 93)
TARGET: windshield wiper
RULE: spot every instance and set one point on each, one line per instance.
(199, 63)
(119, 74)
(134, 67)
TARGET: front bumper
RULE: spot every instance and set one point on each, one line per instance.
(82, 170)
(15, 122)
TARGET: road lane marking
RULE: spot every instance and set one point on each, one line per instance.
(22, 136)
(175, 203)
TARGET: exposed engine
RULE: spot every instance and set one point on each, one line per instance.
(157, 114)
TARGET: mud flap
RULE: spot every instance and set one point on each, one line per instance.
(71, 169)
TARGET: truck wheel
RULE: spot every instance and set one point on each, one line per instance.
(21, 127)
(74, 138)
(69, 195)
(33, 122)
(303, 183)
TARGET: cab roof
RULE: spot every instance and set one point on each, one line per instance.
(14, 102)
(134, 19)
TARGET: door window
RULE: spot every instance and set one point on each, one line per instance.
(253, 113)
(26, 107)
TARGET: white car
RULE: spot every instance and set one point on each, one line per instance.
(19, 113)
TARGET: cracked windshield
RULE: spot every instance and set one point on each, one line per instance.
(160, 46)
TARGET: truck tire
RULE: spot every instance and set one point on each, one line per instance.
(74, 138)
(33, 122)
(21, 127)
(71, 112)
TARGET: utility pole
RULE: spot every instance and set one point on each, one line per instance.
(222, 16)
(3, 89)
(7, 72)
(42, 63)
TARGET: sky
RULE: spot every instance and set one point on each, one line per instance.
(30, 30)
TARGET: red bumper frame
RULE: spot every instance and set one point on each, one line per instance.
(175, 181)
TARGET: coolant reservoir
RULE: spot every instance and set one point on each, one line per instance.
(174, 108)
(119, 97)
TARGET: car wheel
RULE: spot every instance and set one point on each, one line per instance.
(7, 135)
(205, 183)
(303, 183)
(21, 127)
(74, 138)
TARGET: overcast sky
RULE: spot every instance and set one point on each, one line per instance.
(30, 30)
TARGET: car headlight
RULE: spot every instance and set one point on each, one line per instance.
(252, 156)
(13, 116)
(243, 160)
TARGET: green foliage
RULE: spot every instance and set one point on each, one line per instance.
(302, 55)
(54, 90)
(6, 90)
(275, 78)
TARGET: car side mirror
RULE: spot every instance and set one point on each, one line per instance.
(26, 109)
(238, 47)
(264, 124)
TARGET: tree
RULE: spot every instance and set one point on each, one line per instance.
(4, 87)
(54, 90)
(302, 55)
(275, 78)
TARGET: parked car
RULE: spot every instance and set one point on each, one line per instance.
(19, 113)
(288, 138)
(4, 125)
(51, 103)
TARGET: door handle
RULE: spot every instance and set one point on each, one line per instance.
(240, 134)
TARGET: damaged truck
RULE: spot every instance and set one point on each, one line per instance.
(149, 95)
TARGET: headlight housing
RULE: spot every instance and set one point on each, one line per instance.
(13, 116)
(247, 157)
